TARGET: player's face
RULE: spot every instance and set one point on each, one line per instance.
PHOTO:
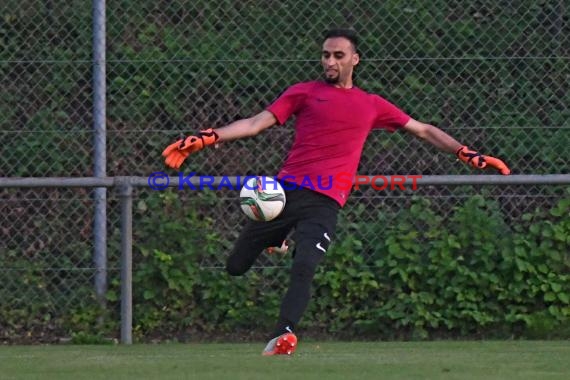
(338, 59)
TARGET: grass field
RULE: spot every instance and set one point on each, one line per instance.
(313, 360)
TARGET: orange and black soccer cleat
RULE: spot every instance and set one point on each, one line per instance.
(284, 344)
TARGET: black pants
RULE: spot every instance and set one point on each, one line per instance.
(314, 218)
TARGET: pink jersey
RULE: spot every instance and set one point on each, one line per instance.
(331, 127)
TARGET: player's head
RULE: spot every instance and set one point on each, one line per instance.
(339, 55)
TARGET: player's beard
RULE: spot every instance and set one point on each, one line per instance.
(332, 80)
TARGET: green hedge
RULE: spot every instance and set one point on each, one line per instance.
(472, 272)
(468, 275)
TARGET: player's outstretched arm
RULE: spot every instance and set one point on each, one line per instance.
(445, 142)
(176, 153)
(247, 127)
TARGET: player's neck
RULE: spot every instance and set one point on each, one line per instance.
(347, 84)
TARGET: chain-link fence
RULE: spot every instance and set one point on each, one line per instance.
(494, 74)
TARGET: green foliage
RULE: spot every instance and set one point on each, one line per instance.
(469, 275)
(82, 337)
(175, 291)
(181, 65)
(418, 275)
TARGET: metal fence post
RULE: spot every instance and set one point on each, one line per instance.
(100, 157)
(126, 197)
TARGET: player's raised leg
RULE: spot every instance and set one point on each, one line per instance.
(253, 239)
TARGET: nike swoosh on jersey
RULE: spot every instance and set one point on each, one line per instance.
(320, 247)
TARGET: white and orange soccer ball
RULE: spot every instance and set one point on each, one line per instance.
(262, 198)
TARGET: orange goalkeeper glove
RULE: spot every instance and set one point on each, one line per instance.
(177, 152)
(479, 161)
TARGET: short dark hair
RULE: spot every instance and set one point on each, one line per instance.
(349, 34)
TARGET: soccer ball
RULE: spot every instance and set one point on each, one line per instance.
(262, 198)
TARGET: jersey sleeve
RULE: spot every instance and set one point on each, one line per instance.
(389, 116)
(289, 102)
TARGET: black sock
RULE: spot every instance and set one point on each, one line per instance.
(282, 327)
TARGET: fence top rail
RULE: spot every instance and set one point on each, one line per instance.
(179, 180)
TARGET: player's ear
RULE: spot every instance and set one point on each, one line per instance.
(355, 59)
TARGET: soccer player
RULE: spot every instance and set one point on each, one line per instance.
(333, 119)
